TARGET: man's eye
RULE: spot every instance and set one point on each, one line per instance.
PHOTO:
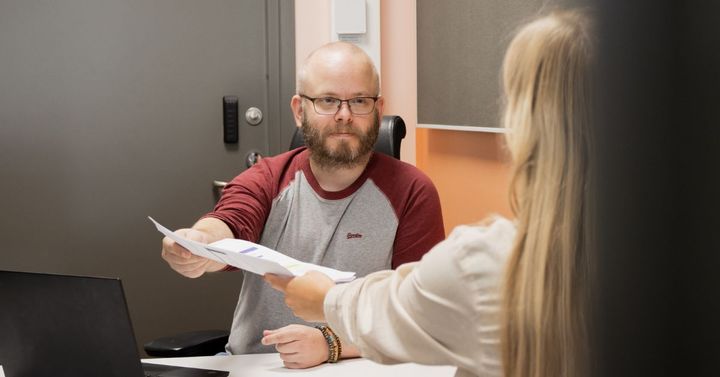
(327, 101)
(359, 101)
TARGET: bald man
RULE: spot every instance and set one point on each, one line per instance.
(335, 203)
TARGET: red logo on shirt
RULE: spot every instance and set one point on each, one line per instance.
(354, 235)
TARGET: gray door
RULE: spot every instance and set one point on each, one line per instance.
(110, 111)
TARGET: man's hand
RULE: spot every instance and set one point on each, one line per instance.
(185, 262)
(299, 346)
(305, 294)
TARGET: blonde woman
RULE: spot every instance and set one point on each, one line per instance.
(498, 298)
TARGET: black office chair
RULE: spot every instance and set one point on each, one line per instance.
(211, 342)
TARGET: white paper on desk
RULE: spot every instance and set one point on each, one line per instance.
(252, 257)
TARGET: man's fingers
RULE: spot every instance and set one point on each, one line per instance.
(170, 247)
(189, 268)
(276, 338)
(290, 348)
(285, 334)
(189, 271)
(176, 261)
(278, 282)
(291, 357)
(292, 365)
(181, 251)
(173, 258)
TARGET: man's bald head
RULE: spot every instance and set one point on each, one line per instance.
(336, 59)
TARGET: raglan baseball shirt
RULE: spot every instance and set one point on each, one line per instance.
(389, 216)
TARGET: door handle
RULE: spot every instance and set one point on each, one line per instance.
(218, 187)
(252, 158)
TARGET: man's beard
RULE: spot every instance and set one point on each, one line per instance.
(343, 155)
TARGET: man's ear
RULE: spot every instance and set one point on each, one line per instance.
(380, 106)
(297, 109)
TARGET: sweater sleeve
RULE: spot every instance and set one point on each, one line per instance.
(420, 222)
(246, 201)
(440, 311)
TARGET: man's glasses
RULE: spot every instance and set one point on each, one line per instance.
(331, 105)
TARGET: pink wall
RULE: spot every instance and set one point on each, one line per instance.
(398, 53)
(399, 66)
(312, 27)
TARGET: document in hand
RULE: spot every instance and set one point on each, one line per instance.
(252, 257)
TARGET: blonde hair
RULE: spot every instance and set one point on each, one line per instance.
(545, 291)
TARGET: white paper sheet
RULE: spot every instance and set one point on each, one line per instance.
(192, 246)
(252, 257)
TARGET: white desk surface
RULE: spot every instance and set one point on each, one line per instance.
(269, 364)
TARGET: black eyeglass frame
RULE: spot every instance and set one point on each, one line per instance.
(313, 99)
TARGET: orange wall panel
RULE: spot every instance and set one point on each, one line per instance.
(469, 169)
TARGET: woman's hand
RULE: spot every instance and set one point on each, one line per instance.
(305, 294)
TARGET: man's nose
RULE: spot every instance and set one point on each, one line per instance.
(343, 112)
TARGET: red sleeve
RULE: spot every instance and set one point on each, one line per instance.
(417, 206)
(420, 224)
(246, 201)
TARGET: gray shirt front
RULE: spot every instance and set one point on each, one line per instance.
(309, 228)
(372, 225)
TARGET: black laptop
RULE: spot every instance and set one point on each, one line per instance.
(59, 325)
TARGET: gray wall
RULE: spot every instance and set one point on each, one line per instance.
(110, 111)
(461, 44)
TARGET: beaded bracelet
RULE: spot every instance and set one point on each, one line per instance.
(334, 347)
(337, 340)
